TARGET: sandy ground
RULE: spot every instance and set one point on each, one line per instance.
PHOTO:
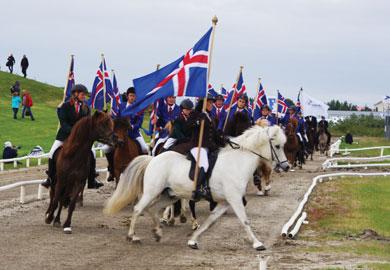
(98, 241)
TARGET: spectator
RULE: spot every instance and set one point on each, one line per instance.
(10, 63)
(24, 65)
(27, 103)
(15, 88)
(16, 100)
(10, 151)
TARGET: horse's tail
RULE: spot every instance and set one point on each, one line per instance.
(130, 185)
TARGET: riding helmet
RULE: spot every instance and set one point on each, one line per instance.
(293, 108)
(187, 104)
(219, 97)
(79, 88)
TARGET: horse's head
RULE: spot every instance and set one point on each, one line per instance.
(102, 127)
(121, 128)
(277, 139)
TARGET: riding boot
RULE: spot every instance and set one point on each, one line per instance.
(50, 173)
(93, 183)
(198, 193)
(206, 192)
(110, 167)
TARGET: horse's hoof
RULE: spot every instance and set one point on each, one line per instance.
(259, 247)
(129, 238)
(260, 193)
(67, 230)
(195, 226)
(157, 234)
(266, 192)
(171, 222)
(193, 244)
(164, 221)
(48, 219)
(183, 219)
(57, 224)
(136, 240)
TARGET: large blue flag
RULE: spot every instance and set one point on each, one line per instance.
(282, 105)
(257, 104)
(102, 80)
(115, 97)
(187, 76)
(70, 82)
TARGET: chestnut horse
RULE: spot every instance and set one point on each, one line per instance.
(125, 149)
(73, 165)
(292, 145)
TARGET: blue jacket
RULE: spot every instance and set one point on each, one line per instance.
(16, 100)
(164, 116)
(231, 114)
(135, 122)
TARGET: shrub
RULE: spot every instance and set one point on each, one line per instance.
(361, 125)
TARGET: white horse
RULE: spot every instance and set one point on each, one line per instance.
(163, 179)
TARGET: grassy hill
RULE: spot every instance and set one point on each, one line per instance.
(27, 133)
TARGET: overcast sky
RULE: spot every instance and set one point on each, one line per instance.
(332, 48)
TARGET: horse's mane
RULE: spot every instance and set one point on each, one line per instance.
(80, 134)
(121, 123)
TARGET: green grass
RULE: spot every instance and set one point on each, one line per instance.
(363, 142)
(341, 209)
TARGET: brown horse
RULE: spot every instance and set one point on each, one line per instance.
(125, 149)
(292, 146)
(73, 165)
(323, 141)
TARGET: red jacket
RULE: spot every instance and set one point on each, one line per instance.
(27, 100)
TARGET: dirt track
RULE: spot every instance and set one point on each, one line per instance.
(98, 242)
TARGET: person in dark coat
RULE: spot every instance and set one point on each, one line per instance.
(348, 138)
(10, 63)
(218, 112)
(324, 124)
(69, 113)
(9, 151)
(24, 65)
(15, 88)
(211, 142)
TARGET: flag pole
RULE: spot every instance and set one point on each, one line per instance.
(220, 91)
(255, 101)
(155, 115)
(67, 81)
(277, 105)
(200, 140)
(231, 101)
(104, 84)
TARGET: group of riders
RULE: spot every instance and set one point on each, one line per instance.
(177, 128)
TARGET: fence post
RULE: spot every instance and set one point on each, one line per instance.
(39, 161)
(27, 163)
(40, 191)
(22, 193)
(382, 151)
(2, 166)
(101, 153)
(15, 163)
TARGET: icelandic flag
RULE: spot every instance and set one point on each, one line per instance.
(257, 104)
(187, 76)
(228, 97)
(211, 91)
(224, 93)
(71, 82)
(115, 97)
(282, 105)
(102, 80)
(153, 115)
(239, 88)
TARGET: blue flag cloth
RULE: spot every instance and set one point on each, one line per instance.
(187, 76)
(211, 91)
(70, 83)
(298, 105)
(96, 101)
(115, 97)
(282, 105)
(257, 104)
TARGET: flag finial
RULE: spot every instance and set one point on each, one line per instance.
(215, 20)
(241, 68)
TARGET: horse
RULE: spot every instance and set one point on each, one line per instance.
(323, 141)
(73, 165)
(292, 146)
(125, 149)
(155, 182)
(311, 135)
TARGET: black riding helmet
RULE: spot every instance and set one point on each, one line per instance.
(79, 88)
(187, 104)
(292, 108)
(219, 97)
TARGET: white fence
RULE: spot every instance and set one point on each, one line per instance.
(347, 151)
(38, 158)
(23, 184)
(333, 163)
(291, 228)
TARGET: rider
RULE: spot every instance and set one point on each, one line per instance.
(211, 142)
(135, 120)
(239, 110)
(68, 114)
(218, 112)
(266, 114)
(167, 112)
(182, 126)
(324, 124)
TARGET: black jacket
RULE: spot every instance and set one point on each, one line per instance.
(68, 118)
(183, 128)
(24, 63)
(10, 61)
(10, 152)
(212, 140)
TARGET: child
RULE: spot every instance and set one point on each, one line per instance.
(15, 104)
(27, 104)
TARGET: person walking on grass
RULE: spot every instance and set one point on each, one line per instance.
(16, 100)
(24, 65)
(10, 63)
(27, 104)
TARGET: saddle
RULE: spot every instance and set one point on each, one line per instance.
(212, 156)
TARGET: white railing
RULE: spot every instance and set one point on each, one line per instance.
(23, 184)
(291, 228)
(333, 162)
(335, 147)
(38, 158)
(347, 151)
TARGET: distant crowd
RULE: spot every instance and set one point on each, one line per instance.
(23, 64)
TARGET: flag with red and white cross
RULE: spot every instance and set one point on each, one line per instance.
(101, 84)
